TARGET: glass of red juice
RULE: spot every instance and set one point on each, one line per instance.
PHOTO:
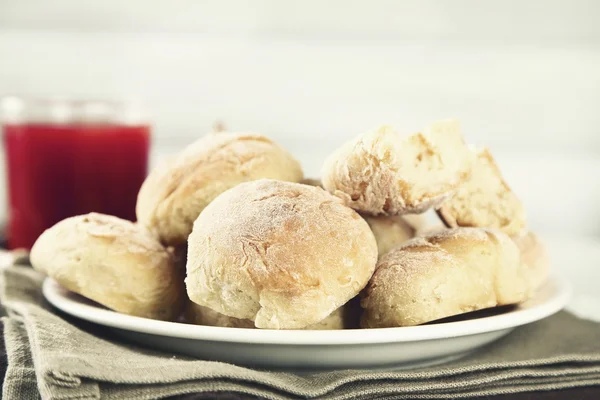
(70, 157)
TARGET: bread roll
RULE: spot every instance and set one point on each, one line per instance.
(282, 254)
(389, 232)
(485, 200)
(534, 257)
(448, 273)
(383, 172)
(113, 262)
(199, 315)
(177, 191)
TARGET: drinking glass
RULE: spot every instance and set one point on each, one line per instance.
(70, 157)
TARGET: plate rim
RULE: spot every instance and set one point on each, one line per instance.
(56, 295)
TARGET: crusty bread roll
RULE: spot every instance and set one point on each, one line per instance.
(485, 200)
(196, 314)
(113, 262)
(389, 231)
(534, 257)
(282, 254)
(447, 273)
(175, 192)
(383, 172)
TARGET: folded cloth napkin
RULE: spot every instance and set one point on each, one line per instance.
(60, 359)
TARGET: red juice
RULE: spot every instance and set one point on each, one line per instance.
(56, 171)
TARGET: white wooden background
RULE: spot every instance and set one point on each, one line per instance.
(523, 76)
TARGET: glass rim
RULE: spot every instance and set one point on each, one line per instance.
(71, 109)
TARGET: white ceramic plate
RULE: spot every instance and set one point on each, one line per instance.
(405, 347)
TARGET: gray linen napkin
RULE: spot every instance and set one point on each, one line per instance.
(67, 362)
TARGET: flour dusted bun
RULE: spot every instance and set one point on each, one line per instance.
(383, 172)
(113, 262)
(177, 191)
(199, 315)
(389, 231)
(447, 273)
(534, 257)
(485, 200)
(282, 254)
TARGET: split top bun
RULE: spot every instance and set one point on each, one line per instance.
(281, 254)
(113, 262)
(177, 191)
(383, 172)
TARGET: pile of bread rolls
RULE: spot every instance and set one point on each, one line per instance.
(229, 233)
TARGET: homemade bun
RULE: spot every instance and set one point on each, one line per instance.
(174, 193)
(282, 254)
(485, 200)
(389, 232)
(447, 273)
(383, 172)
(534, 257)
(196, 314)
(113, 262)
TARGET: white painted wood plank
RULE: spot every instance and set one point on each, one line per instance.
(521, 98)
(515, 20)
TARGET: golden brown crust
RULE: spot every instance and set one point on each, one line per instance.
(485, 200)
(385, 173)
(447, 273)
(282, 254)
(113, 262)
(175, 192)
